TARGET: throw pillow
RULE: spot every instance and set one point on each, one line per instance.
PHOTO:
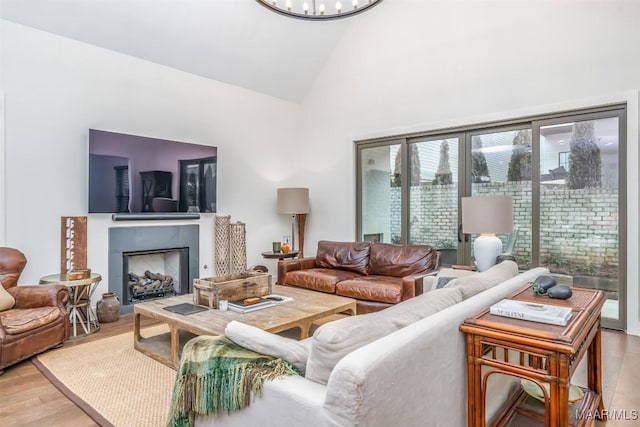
(446, 274)
(6, 299)
(401, 261)
(350, 256)
(443, 281)
(476, 283)
(334, 340)
(264, 342)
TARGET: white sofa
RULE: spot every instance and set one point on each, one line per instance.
(415, 376)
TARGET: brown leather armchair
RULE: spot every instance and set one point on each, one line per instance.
(39, 319)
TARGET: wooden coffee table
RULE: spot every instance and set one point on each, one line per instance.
(306, 307)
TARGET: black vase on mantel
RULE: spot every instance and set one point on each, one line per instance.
(108, 308)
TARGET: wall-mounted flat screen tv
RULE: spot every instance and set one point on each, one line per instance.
(136, 174)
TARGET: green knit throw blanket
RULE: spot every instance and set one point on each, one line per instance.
(215, 375)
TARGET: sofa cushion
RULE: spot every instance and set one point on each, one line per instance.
(334, 340)
(476, 283)
(17, 321)
(349, 256)
(260, 341)
(318, 279)
(372, 288)
(7, 301)
(400, 261)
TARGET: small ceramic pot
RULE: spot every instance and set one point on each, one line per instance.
(108, 308)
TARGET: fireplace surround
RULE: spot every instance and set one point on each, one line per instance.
(126, 240)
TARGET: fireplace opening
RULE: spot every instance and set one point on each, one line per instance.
(153, 274)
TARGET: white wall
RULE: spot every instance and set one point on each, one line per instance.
(406, 65)
(413, 65)
(2, 164)
(56, 89)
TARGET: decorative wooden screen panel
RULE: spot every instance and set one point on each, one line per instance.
(238, 248)
(73, 244)
(222, 242)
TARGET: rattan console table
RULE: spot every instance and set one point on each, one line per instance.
(541, 353)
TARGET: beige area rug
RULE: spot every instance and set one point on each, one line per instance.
(110, 381)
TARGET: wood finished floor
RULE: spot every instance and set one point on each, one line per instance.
(28, 399)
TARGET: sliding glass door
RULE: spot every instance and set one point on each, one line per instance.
(380, 180)
(434, 194)
(581, 205)
(500, 165)
(564, 172)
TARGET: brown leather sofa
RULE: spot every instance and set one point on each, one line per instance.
(376, 274)
(37, 321)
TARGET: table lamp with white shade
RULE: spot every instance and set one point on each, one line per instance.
(487, 216)
(295, 201)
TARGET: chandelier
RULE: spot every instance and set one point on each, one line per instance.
(318, 9)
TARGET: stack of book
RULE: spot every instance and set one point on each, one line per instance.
(524, 310)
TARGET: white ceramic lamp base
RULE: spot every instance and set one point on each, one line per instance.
(486, 249)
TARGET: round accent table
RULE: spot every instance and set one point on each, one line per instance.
(280, 255)
(80, 292)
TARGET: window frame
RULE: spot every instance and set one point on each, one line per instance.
(533, 122)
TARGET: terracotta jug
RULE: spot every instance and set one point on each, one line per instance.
(108, 308)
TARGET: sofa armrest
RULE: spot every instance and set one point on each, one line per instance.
(438, 260)
(290, 400)
(33, 296)
(413, 285)
(284, 266)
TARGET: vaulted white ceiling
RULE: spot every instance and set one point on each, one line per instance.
(234, 41)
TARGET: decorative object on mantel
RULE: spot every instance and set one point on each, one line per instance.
(238, 248)
(318, 9)
(73, 248)
(222, 242)
(108, 308)
(487, 215)
(295, 201)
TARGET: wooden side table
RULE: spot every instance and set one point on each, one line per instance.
(80, 310)
(541, 353)
(279, 255)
